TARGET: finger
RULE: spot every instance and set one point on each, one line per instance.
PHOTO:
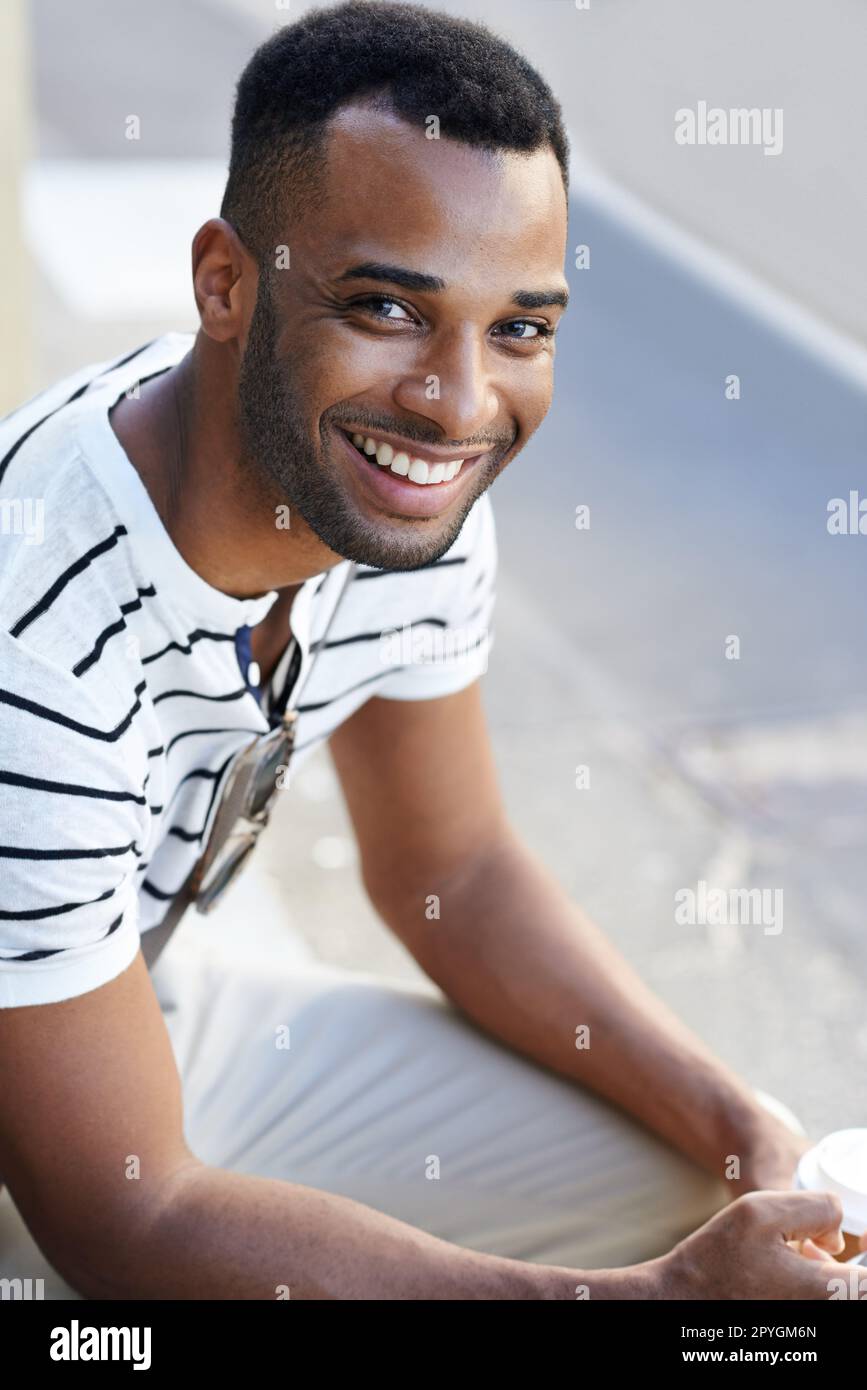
(831, 1242)
(808, 1248)
(798, 1215)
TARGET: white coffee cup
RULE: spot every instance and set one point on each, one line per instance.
(838, 1164)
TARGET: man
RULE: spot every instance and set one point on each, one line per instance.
(378, 304)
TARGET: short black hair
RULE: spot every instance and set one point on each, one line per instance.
(421, 62)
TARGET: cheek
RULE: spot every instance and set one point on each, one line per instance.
(533, 403)
(340, 365)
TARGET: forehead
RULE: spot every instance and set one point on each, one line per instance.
(447, 208)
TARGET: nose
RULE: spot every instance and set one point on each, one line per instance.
(452, 386)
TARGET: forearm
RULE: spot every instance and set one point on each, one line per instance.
(223, 1235)
(511, 949)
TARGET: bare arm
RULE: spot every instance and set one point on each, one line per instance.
(95, 1097)
(510, 948)
(93, 1150)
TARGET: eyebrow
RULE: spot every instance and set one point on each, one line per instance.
(539, 299)
(432, 284)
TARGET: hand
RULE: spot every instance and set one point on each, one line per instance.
(745, 1251)
(771, 1167)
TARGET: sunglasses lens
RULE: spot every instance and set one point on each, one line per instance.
(266, 776)
(210, 892)
(259, 785)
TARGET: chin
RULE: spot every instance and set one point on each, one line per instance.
(409, 545)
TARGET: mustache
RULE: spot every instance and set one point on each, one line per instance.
(360, 421)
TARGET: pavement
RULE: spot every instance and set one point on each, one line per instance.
(707, 522)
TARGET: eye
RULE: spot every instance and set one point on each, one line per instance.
(382, 307)
(536, 330)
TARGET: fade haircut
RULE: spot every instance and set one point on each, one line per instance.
(417, 62)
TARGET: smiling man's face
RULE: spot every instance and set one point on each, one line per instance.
(410, 330)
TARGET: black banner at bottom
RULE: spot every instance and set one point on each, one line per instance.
(68, 1338)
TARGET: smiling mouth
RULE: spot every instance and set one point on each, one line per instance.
(415, 470)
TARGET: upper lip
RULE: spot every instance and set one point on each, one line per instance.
(428, 452)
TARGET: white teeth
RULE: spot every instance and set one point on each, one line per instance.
(433, 472)
(418, 471)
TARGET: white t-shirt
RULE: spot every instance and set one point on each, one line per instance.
(124, 686)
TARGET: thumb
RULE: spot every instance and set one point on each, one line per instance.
(811, 1250)
(829, 1242)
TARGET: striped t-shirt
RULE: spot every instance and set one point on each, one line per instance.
(126, 687)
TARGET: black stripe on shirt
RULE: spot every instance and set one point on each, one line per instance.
(186, 649)
(205, 773)
(378, 676)
(431, 565)
(111, 631)
(12, 852)
(40, 784)
(190, 836)
(35, 914)
(199, 695)
(158, 893)
(374, 636)
(193, 733)
(58, 950)
(54, 716)
(80, 565)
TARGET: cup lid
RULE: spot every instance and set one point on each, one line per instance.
(838, 1163)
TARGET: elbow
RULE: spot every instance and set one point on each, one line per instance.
(121, 1254)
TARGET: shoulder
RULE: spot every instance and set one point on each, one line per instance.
(66, 558)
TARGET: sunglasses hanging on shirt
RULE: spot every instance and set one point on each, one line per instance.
(254, 777)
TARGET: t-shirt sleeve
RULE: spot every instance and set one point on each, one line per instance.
(73, 819)
(443, 654)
